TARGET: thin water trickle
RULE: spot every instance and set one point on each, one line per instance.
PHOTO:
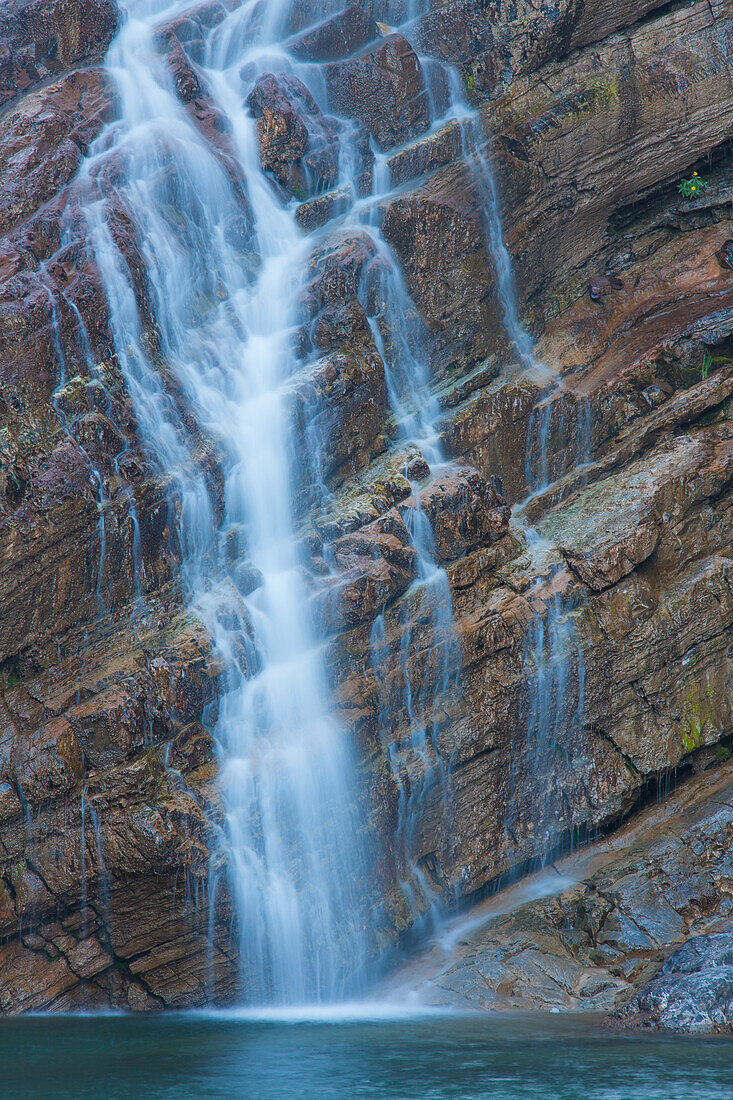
(104, 880)
(550, 743)
(83, 863)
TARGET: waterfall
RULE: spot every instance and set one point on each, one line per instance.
(549, 742)
(416, 412)
(209, 354)
(223, 283)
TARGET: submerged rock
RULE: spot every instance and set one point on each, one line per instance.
(343, 34)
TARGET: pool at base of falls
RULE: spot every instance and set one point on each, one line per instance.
(356, 1054)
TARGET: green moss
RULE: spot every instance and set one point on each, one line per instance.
(706, 364)
(596, 95)
(692, 738)
(698, 712)
(604, 91)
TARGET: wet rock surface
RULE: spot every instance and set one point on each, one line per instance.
(109, 804)
(693, 991)
(41, 38)
(335, 38)
(297, 144)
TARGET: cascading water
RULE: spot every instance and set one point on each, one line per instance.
(551, 742)
(550, 748)
(225, 331)
(416, 411)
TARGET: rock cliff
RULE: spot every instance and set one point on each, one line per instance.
(592, 627)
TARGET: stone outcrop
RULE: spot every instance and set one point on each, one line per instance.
(42, 38)
(296, 142)
(583, 935)
(335, 38)
(110, 811)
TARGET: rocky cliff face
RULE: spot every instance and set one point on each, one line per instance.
(594, 653)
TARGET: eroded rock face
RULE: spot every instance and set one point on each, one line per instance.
(586, 933)
(437, 233)
(343, 34)
(603, 113)
(45, 139)
(692, 992)
(40, 38)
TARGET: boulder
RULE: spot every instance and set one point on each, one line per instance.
(340, 400)
(297, 143)
(340, 324)
(343, 268)
(186, 79)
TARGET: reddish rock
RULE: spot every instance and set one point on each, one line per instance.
(464, 512)
(343, 34)
(342, 399)
(437, 234)
(43, 141)
(186, 79)
(39, 38)
(337, 269)
(297, 144)
(189, 29)
(50, 763)
(601, 285)
(382, 87)
(375, 565)
(725, 255)
(339, 324)
(103, 694)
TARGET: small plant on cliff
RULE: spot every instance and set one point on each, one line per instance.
(707, 362)
(693, 187)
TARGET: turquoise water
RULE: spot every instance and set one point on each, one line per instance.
(456, 1058)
